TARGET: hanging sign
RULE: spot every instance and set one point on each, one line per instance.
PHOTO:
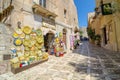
(106, 9)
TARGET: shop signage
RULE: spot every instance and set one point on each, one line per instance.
(48, 25)
(106, 9)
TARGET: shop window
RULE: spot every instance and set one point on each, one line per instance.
(42, 3)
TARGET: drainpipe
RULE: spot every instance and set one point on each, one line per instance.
(116, 36)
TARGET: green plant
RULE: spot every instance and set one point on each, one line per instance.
(81, 33)
(91, 33)
(97, 37)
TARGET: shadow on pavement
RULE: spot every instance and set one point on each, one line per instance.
(94, 60)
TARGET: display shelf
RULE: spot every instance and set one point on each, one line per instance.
(17, 70)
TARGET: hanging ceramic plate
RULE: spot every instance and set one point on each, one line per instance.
(26, 48)
(18, 48)
(38, 46)
(60, 34)
(39, 39)
(39, 32)
(32, 42)
(18, 31)
(26, 42)
(15, 35)
(22, 35)
(26, 53)
(19, 53)
(14, 60)
(27, 30)
(33, 34)
(18, 42)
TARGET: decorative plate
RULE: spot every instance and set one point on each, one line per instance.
(26, 42)
(18, 31)
(14, 60)
(39, 39)
(60, 34)
(19, 53)
(27, 30)
(26, 48)
(39, 32)
(15, 35)
(22, 35)
(17, 42)
(32, 42)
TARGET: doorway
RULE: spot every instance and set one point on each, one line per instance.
(48, 40)
(105, 35)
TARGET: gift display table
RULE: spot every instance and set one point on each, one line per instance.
(17, 70)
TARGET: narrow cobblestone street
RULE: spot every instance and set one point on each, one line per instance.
(88, 62)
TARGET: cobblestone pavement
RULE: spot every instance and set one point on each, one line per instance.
(88, 62)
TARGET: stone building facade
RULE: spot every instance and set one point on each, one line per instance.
(50, 16)
(108, 25)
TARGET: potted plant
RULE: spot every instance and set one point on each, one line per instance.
(97, 39)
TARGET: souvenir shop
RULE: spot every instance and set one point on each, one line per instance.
(31, 47)
(54, 44)
(28, 49)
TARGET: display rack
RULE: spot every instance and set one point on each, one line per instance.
(17, 70)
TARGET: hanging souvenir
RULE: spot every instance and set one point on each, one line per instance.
(19, 53)
(21, 58)
(18, 48)
(17, 42)
(15, 35)
(27, 30)
(13, 50)
(27, 36)
(26, 53)
(18, 31)
(32, 42)
(39, 39)
(60, 34)
(14, 60)
(33, 35)
(26, 42)
(56, 35)
(22, 35)
(39, 32)
(26, 48)
(57, 40)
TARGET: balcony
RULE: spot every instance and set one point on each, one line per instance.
(48, 10)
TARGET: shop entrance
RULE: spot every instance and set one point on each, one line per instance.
(48, 40)
(64, 36)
